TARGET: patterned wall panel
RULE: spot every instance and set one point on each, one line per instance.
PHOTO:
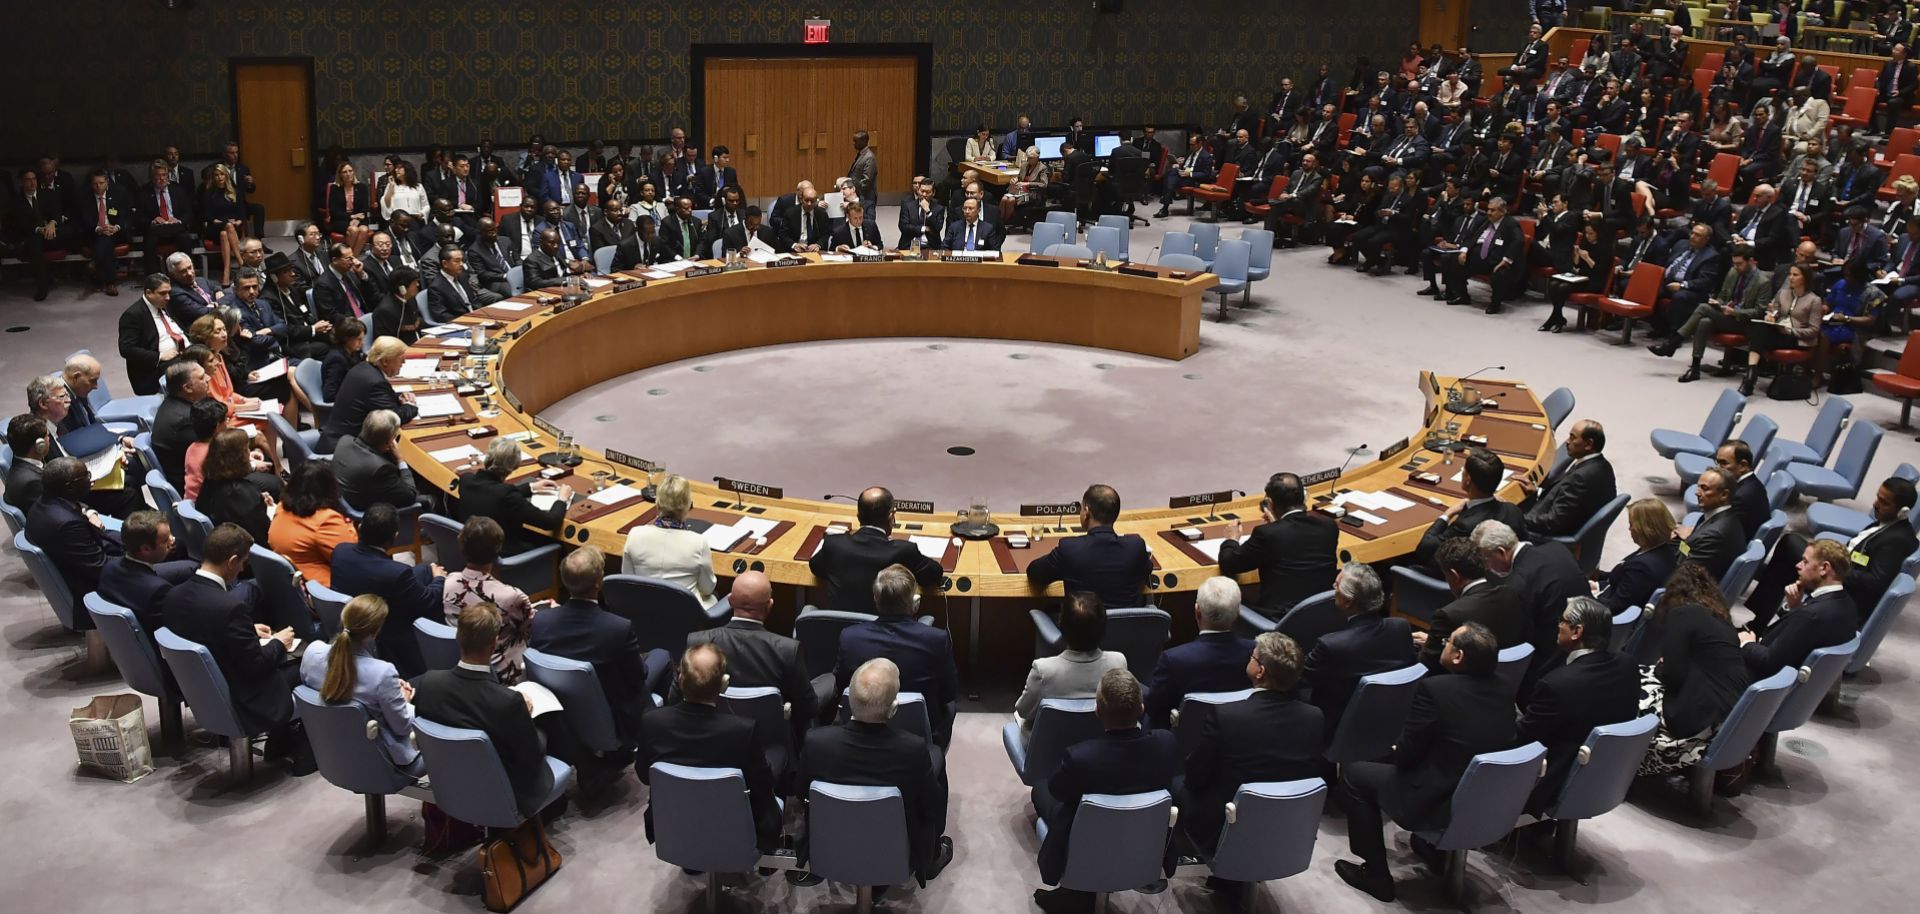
(425, 71)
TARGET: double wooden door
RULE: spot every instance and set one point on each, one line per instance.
(789, 119)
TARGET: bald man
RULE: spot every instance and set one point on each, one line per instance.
(757, 657)
(697, 733)
(849, 562)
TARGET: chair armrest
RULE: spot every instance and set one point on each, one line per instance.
(1252, 619)
(1045, 629)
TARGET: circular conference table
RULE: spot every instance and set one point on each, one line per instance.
(624, 327)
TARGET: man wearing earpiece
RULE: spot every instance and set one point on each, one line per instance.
(848, 563)
(923, 653)
(696, 733)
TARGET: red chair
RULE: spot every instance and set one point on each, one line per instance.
(1344, 128)
(1610, 142)
(1703, 81)
(1722, 171)
(1642, 290)
(1901, 143)
(1261, 207)
(1712, 61)
(1216, 193)
(1903, 382)
(1906, 163)
(1859, 107)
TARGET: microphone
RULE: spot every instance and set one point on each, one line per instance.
(1351, 453)
(1455, 393)
(830, 496)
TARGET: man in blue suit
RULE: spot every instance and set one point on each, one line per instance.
(69, 532)
(411, 591)
(555, 185)
(1196, 167)
(1214, 661)
(141, 578)
(923, 653)
(1369, 643)
(1114, 567)
(580, 629)
(1126, 759)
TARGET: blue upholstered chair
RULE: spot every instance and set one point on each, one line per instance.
(1718, 425)
(1059, 723)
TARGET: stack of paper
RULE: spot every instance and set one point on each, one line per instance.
(455, 454)
(441, 330)
(267, 408)
(274, 369)
(420, 368)
(762, 255)
(1212, 547)
(677, 266)
(544, 501)
(613, 495)
(513, 306)
(435, 405)
(722, 537)
(933, 547)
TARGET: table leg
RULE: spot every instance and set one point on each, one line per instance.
(973, 649)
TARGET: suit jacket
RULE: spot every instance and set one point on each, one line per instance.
(1117, 762)
(1567, 702)
(86, 215)
(849, 562)
(1633, 581)
(736, 238)
(172, 433)
(1771, 231)
(1570, 495)
(1884, 550)
(368, 476)
(1464, 522)
(927, 229)
(1872, 247)
(1548, 576)
(26, 217)
(1272, 736)
(583, 630)
(23, 484)
(444, 299)
(380, 272)
(411, 592)
(1453, 718)
(986, 237)
(864, 171)
(1751, 505)
(474, 700)
(339, 214)
(869, 236)
(396, 318)
(608, 234)
(1891, 82)
(1114, 567)
(77, 548)
(187, 303)
(707, 187)
(757, 657)
(510, 505)
(1498, 605)
(540, 270)
(924, 655)
(1821, 621)
(1370, 643)
(1068, 674)
(1716, 541)
(330, 296)
(701, 736)
(633, 252)
(142, 587)
(147, 209)
(207, 613)
(676, 237)
(491, 260)
(1819, 198)
(1701, 274)
(1211, 662)
(1297, 556)
(880, 755)
(365, 389)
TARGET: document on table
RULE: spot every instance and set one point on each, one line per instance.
(836, 258)
(755, 526)
(830, 531)
(441, 330)
(613, 495)
(436, 405)
(676, 266)
(1212, 547)
(1368, 518)
(514, 306)
(455, 454)
(722, 537)
(762, 255)
(420, 368)
(596, 282)
(1504, 475)
(274, 369)
(866, 249)
(544, 501)
(933, 547)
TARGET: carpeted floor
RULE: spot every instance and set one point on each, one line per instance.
(1324, 359)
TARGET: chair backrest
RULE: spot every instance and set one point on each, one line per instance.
(1115, 221)
(201, 685)
(1625, 623)
(1770, 530)
(701, 818)
(1206, 240)
(129, 647)
(1856, 453)
(1046, 235)
(1817, 677)
(1591, 538)
(1759, 432)
(164, 495)
(1138, 632)
(1260, 245)
(282, 603)
(420, 305)
(1181, 243)
(344, 746)
(1513, 665)
(16, 521)
(1067, 221)
(437, 645)
(444, 533)
(1186, 262)
(327, 604)
(662, 612)
(143, 443)
(764, 706)
(469, 782)
(1739, 574)
(1490, 796)
(818, 631)
(581, 699)
(1735, 739)
(1416, 594)
(307, 375)
(1726, 411)
(193, 529)
(367, 338)
(1269, 830)
(1195, 709)
(292, 446)
(1310, 620)
(603, 259)
(857, 835)
(517, 278)
(1118, 841)
(1909, 365)
(1604, 768)
(1104, 239)
(1078, 251)
(1779, 489)
(1881, 620)
(52, 585)
(1374, 715)
(1559, 405)
(909, 713)
(1231, 261)
(1058, 724)
(1827, 423)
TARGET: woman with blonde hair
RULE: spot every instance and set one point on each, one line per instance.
(345, 669)
(223, 218)
(1633, 581)
(667, 549)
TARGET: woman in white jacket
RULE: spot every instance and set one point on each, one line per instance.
(666, 549)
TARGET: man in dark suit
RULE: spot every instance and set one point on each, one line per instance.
(1857, 182)
(780, 214)
(203, 609)
(682, 231)
(1860, 240)
(867, 751)
(1874, 557)
(744, 235)
(452, 292)
(1691, 275)
(806, 227)
(924, 653)
(165, 216)
(857, 231)
(191, 297)
(1114, 567)
(1546, 575)
(848, 563)
(342, 292)
(1895, 86)
(1301, 198)
(1575, 490)
(1718, 539)
(411, 591)
(1744, 293)
(379, 261)
(398, 312)
(612, 226)
(74, 538)
(1197, 167)
(1296, 552)
(1766, 229)
(693, 731)
(1818, 614)
(922, 219)
(716, 176)
(1592, 687)
(40, 220)
(1125, 759)
(1369, 643)
(1481, 478)
(1749, 490)
(1464, 711)
(972, 231)
(491, 257)
(104, 221)
(758, 658)
(1497, 253)
(1760, 154)
(641, 249)
(1498, 605)
(580, 629)
(173, 421)
(31, 440)
(367, 387)
(140, 579)
(468, 696)
(1214, 661)
(550, 264)
(1271, 736)
(521, 229)
(1809, 199)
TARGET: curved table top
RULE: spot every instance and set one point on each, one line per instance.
(546, 356)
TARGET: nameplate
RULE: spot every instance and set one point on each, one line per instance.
(734, 266)
(1313, 479)
(546, 426)
(1139, 271)
(872, 258)
(1035, 260)
(749, 488)
(628, 284)
(1054, 510)
(788, 262)
(631, 462)
(1200, 500)
(512, 400)
(691, 272)
(910, 506)
(1394, 449)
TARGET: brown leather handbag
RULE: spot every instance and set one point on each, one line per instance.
(516, 863)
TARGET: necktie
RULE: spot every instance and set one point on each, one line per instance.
(197, 290)
(803, 227)
(166, 204)
(173, 332)
(102, 201)
(458, 287)
(1739, 286)
(353, 301)
(461, 190)
(1906, 260)
(1486, 242)
(1854, 248)
(1678, 270)
(719, 179)
(856, 236)
(970, 236)
(1800, 201)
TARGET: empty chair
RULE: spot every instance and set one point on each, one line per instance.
(1736, 738)
(857, 835)
(296, 446)
(1849, 469)
(327, 605)
(1270, 830)
(367, 338)
(1733, 585)
(1587, 542)
(132, 651)
(1513, 665)
(1231, 267)
(1821, 438)
(582, 702)
(1180, 243)
(662, 612)
(16, 521)
(1758, 435)
(603, 258)
(1374, 716)
(1139, 633)
(53, 586)
(193, 527)
(164, 495)
(1770, 530)
(530, 571)
(1194, 711)
(1059, 723)
(1206, 241)
(1070, 250)
(1718, 425)
(516, 280)
(469, 783)
(437, 645)
(1488, 801)
(351, 760)
(1818, 678)
(818, 631)
(1559, 405)
(702, 821)
(1118, 842)
(282, 603)
(1120, 224)
(1881, 620)
(1831, 518)
(205, 691)
(1417, 595)
(1312, 619)
(1067, 221)
(1260, 253)
(1626, 624)
(1046, 235)
(1599, 779)
(1107, 240)
(307, 374)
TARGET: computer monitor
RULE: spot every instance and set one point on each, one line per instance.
(1104, 144)
(1049, 147)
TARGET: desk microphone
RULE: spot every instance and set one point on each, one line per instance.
(1456, 397)
(1351, 453)
(830, 497)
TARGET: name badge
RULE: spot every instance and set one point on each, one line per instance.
(1859, 558)
(1499, 242)
(1685, 549)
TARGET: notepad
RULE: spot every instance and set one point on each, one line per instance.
(722, 537)
(267, 408)
(419, 368)
(540, 697)
(676, 266)
(435, 405)
(933, 547)
(441, 330)
(595, 282)
(836, 258)
(656, 274)
(274, 369)
(512, 306)
(755, 526)
(613, 495)
(1212, 547)
(544, 501)
(455, 454)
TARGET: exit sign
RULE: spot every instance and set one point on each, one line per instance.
(817, 31)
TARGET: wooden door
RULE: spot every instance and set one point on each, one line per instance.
(273, 120)
(792, 118)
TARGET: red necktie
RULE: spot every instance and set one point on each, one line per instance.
(173, 332)
(166, 204)
(103, 211)
(353, 301)
(1854, 248)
